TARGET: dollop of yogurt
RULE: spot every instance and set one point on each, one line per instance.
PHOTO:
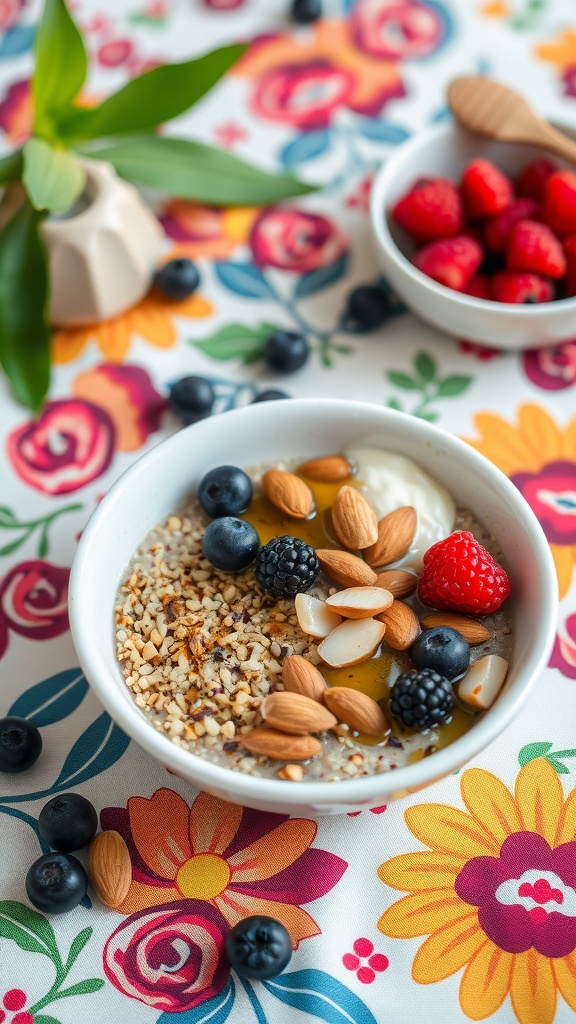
(391, 481)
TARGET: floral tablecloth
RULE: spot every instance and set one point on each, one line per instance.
(454, 905)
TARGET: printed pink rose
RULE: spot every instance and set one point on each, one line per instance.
(114, 52)
(67, 447)
(9, 13)
(169, 958)
(551, 494)
(16, 112)
(398, 29)
(304, 95)
(552, 369)
(564, 653)
(127, 394)
(295, 240)
(34, 601)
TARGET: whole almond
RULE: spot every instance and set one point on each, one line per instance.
(402, 626)
(280, 745)
(346, 568)
(110, 868)
(473, 631)
(288, 493)
(295, 713)
(395, 535)
(327, 469)
(300, 676)
(356, 709)
(397, 581)
(354, 519)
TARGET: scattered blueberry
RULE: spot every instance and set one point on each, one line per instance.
(20, 744)
(177, 279)
(443, 649)
(230, 544)
(68, 822)
(286, 351)
(368, 307)
(191, 399)
(421, 699)
(271, 395)
(258, 947)
(225, 491)
(56, 883)
(286, 566)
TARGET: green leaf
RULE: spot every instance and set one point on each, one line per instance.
(42, 1018)
(192, 170)
(558, 766)
(29, 930)
(154, 97)
(563, 753)
(7, 516)
(82, 988)
(7, 549)
(11, 167)
(394, 403)
(532, 751)
(425, 366)
(53, 178)
(77, 946)
(60, 67)
(24, 333)
(403, 380)
(452, 386)
(236, 341)
(427, 414)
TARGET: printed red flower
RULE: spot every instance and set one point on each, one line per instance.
(295, 240)
(126, 393)
(551, 493)
(16, 112)
(481, 352)
(552, 369)
(9, 13)
(114, 52)
(564, 654)
(374, 963)
(302, 95)
(398, 29)
(34, 601)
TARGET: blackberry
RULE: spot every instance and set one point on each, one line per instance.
(286, 566)
(421, 699)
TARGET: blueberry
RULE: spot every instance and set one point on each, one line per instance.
(305, 11)
(20, 744)
(258, 947)
(177, 279)
(225, 491)
(68, 822)
(191, 399)
(271, 395)
(230, 544)
(368, 307)
(286, 351)
(442, 649)
(56, 883)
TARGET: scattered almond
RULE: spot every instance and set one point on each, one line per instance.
(300, 676)
(352, 641)
(292, 772)
(356, 709)
(473, 631)
(288, 493)
(110, 868)
(266, 742)
(395, 535)
(360, 602)
(483, 681)
(327, 469)
(354, 519)
(314, 616)
(345, 568)
(399, 582)
(295, 713)
(402, 626)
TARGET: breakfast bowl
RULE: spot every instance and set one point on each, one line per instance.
(443, 151)
(278, 432)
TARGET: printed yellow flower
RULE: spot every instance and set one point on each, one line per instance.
(494, 9)
(495, 893)
(540, 459)
(560, 51)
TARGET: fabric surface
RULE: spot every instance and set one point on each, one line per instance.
(394, 911)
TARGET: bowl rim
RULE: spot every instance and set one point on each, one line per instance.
(379, 218)
(358, 791)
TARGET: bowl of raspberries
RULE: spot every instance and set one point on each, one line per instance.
(479, 237)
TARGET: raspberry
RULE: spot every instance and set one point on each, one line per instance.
(460, 575)
(533, 247)
(532, 179)
(508, 286)
(431, 210)
(451, 261)
(485, 189)
(478, 286)
(569, 245)
(559, 206)
(286, 566)
(497, 231)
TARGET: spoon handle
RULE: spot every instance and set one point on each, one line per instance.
(542, 134)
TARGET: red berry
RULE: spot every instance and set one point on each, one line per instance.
(451, 261)
(569, 245)
(532, 246)
(14, 999)
(460, 575)
(485, 189)
(532, 179)
(478, 286)
(497, 231)
(559, 205)
(430, 210)
(508, 286)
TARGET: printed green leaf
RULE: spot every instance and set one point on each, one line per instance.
(156, 96)
(558, 766)
(24, 333)
(60, 67)
(425, 366)
(427, 414)
(452, 386)
(236, 341)
(11, 167)
(53, 178)
(393, 403)
(77, 946)
(82, 988)
(8, 549)
(7, 516)
(28, 929)
(192, 170)
(563, 753)
(403, 380)
(42, 1018)
(533, 750)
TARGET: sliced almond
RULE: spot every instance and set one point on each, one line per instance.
(360, 602)
(300, 676)
(280, 746)
(402, 626)
(399, 582)
(288, 493)
(473, 631)
(354, 519)
(314, 616)
(295, 713)
(110, 868)
(483, 681)
(327, 469)
(395, 535)
(345, 568)
(352, 641)
(356, 709)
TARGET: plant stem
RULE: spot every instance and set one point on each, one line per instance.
(255, 1002)
(22, 816)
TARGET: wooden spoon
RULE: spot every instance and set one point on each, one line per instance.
(489, 108)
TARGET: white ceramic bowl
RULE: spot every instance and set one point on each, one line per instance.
(443, 151)
(156, 484)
